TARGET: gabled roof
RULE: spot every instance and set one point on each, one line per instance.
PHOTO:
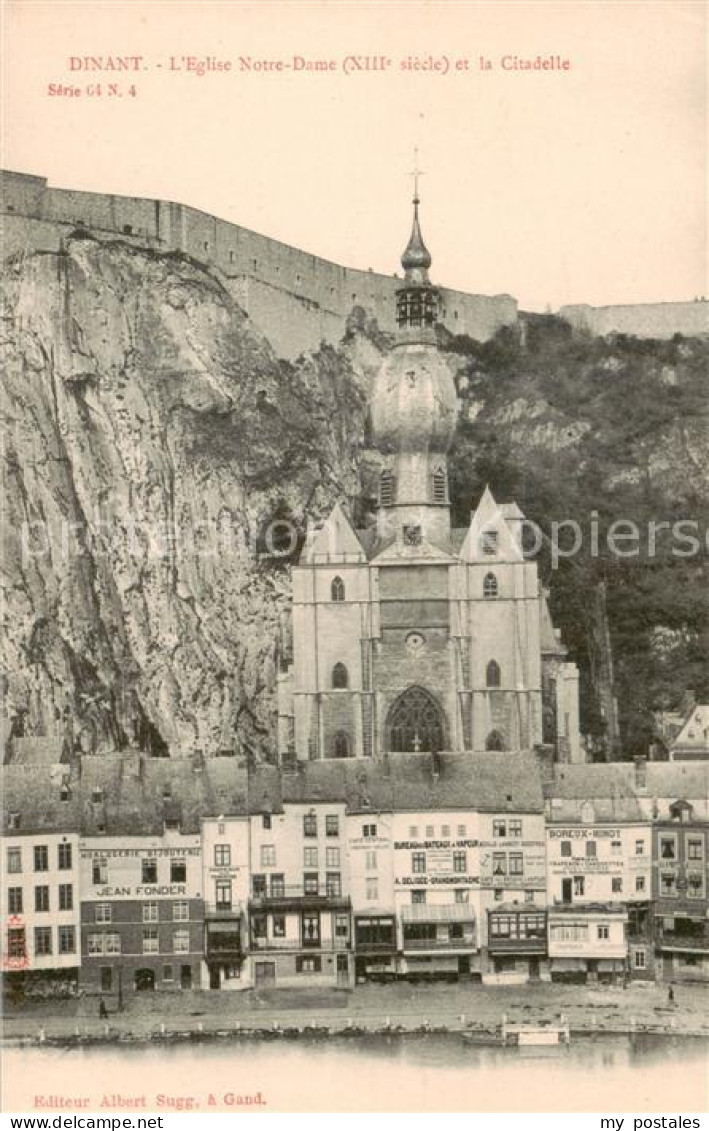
(489, 517)
(335, 541)
(397, 551)
(694, 735)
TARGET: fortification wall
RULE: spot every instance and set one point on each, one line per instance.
(651, 320)
(296, 299)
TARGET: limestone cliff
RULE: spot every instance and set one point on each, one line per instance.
(151, 437)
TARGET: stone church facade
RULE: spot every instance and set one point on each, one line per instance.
(412, 635)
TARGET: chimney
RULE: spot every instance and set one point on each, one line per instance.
(640, 773)
(689, 701)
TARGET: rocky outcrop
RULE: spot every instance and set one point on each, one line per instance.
(152, 438)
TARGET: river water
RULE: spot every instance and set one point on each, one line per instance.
(426, 1073)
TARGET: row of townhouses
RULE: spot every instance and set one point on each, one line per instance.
(124, 874)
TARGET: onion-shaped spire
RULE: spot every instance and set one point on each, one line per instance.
(416, 257)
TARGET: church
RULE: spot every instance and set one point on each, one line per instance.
(412, 635)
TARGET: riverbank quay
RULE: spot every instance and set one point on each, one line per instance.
(477, 1011)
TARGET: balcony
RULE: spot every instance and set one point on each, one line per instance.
(289, 896)
(260, 944)
(439, 943)
(379, 947)
(504, 945)
(695, 941)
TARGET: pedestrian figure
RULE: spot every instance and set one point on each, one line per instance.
(102, 1011)
(671, 996)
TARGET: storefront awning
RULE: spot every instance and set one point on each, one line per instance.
(438, 913)
(232, 927)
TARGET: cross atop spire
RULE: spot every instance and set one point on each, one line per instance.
(416, 173)
(416, 259)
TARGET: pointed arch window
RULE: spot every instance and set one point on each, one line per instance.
(337, 589)
(490, 586)
(495, 741)
(340, 677)
(386, 488)
(340, 745)
(439, 485)
(493, 675)
(415, 723)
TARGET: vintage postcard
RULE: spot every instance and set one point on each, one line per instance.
(355, 504)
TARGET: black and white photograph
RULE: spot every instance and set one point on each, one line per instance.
(355, 512)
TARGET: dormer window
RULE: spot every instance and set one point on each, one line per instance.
(488, 543)
(490, 587)
(337, 589)
(681, 811)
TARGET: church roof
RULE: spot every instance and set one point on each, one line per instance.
(499, 782)
(373, 546)
(548, 640)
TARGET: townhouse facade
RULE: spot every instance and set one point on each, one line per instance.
(40, 881)
(300, 910)
(680, 879)
(225, 886)
(513, 896)
(437, 893)
(142, 913)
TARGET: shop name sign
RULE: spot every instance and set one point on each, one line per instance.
(429, 844)
(132, 853)
(143, 891)
(584, 834)
(455, 879)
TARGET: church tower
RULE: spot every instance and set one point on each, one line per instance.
(414, 410)
(410, 636)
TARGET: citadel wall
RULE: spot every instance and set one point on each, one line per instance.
(295, 298)
(643, 320)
